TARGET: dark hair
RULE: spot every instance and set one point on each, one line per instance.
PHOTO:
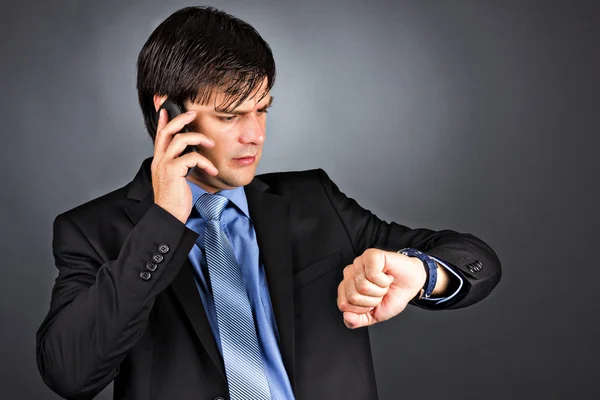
(197, 50)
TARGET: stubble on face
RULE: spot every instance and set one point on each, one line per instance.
(242, 136)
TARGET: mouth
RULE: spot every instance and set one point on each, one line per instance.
(245, 160)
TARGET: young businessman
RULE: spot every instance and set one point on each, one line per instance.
(220, 283)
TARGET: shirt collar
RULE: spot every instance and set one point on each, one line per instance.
(237, 196)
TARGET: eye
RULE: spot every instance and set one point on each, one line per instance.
(263, 111)
(228, 118)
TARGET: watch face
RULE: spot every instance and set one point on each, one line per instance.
(408, 251)
(403, 251)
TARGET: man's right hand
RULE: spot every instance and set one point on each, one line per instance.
(171, 190)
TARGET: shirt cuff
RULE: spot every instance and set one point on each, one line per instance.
(438, 300)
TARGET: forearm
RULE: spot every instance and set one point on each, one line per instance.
(99, 313)
(80, 349)
(460, 250)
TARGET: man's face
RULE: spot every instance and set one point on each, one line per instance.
(238, 135)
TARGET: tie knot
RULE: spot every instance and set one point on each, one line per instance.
(210, 206)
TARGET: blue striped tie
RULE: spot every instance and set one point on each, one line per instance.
(244, 367)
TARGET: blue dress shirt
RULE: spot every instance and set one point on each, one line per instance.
(238, 227)
(236, 223)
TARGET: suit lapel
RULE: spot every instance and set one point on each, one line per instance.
(271, 223)
(184, 285)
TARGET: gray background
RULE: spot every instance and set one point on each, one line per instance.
(478, 116)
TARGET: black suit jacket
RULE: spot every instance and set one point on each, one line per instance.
(152, 337)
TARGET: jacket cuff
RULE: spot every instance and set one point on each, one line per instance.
(154, 251)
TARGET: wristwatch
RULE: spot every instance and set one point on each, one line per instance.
(430, 269)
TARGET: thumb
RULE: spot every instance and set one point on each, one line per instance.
(354, 320)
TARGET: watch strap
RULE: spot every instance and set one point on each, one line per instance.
(430, 269)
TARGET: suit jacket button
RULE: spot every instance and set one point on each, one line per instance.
(150, 266)
(219, 398)
(163, 248)
(145, 275)
(157, 257)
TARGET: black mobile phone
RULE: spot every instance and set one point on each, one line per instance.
(174, 110)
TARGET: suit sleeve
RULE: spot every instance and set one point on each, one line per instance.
(461, 250)
(98, 311)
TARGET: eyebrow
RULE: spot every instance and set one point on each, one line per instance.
(269, 104)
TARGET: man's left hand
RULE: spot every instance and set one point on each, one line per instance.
(377, 286)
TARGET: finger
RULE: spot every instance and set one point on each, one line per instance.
(167, 129)
(374, 262)
(352, 295)
(344, 305)
(354, 320)
(357, 299)
(195, 159)
(159, 145)
(179, 143)
(364, 286)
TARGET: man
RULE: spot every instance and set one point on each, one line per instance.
(220, 283)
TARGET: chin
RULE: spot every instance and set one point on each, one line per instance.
(243, 181)
(236, 180)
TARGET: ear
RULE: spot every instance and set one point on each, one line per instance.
(158, 100)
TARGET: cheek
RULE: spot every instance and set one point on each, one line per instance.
(222, 136)
(223, 150)
(228, 140)
(229, 133)
(208, 127)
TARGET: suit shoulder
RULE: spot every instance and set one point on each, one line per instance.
(101, 208)
(293, 181)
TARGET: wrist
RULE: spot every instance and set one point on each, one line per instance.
(441, 286)
(429, 266)
(421, 274)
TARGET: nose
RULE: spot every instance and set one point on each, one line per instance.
(252, 131)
